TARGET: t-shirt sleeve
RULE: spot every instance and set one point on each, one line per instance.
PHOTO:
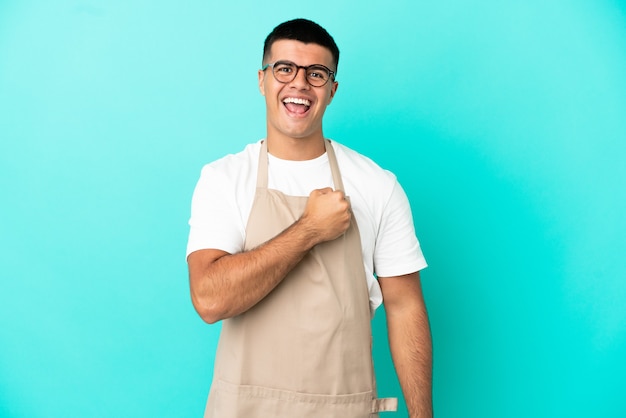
(215, 221)
(397, 249)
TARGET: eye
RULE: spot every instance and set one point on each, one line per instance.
(319, 73)
(282, 67)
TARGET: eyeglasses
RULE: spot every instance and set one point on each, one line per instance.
(285, 72)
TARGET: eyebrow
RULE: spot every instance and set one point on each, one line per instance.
(297, 65)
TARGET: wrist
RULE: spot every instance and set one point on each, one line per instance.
(307, 234)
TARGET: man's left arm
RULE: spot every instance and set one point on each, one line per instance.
(409, 340)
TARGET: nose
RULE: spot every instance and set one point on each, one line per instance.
(300, 80)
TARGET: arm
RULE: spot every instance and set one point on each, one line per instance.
(224, 285)
(409, 340)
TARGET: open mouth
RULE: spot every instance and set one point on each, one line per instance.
(297, 105)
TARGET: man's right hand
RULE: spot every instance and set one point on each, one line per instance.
(327, 214)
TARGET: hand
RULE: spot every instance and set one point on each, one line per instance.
(327, 214)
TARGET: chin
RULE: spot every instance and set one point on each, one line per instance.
(298, 133)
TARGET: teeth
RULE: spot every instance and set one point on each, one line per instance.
(297, 101)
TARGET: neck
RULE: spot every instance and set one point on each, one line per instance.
(296, 149)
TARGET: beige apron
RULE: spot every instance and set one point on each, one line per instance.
(305, 349)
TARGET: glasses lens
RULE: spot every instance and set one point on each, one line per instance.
(317, 75)
(285, 71)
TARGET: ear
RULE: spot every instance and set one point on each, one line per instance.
(333, 90)
(261, 79)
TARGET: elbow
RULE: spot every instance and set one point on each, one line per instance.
(209, 317)
(209, 310)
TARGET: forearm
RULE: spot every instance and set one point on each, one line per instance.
(233, 283)
(411, 349)
(409, 340)
(224, 285)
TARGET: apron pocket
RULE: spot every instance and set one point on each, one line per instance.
(229, 400)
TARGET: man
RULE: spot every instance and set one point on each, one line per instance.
(287, 239)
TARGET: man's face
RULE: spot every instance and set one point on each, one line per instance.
(286, 116)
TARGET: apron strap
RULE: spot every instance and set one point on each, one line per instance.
(261, 177)
(384, 405)
(334, 167)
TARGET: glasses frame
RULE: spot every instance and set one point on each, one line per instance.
(331, 73)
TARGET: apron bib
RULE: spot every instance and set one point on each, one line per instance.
(303, 351)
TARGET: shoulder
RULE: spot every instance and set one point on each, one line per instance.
(229, 162)
(358, 169)
(232, 177)
(233, 167)
(373, 191)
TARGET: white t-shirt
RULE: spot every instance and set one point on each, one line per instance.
(223, 197)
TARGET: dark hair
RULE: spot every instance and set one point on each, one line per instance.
(302, 30)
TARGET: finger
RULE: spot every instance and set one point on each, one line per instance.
(340, 195)
(317, 192)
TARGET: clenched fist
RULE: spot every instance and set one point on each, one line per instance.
(327, 214)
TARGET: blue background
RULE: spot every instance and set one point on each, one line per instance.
(504, 120)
